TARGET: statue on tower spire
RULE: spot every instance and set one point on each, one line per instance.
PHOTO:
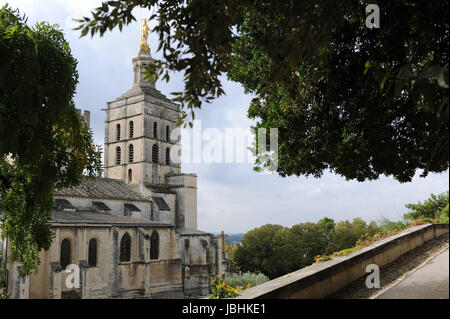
(144, 49)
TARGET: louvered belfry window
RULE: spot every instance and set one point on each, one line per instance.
(118, 155)
(131, 153)
(155, 130)
(168, 156)
(118, 132)
(155, 153)
(131, 129)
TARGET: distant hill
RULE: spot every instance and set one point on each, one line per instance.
(232, 239)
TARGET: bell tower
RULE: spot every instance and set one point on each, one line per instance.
(138, 128)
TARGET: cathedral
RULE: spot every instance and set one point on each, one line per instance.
(132, 233)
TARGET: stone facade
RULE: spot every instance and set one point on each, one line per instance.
(144, 197)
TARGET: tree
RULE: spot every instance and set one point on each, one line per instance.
(373, 228)
(434, 207)
(230, 251)
(357, 101)
(304, 242)
(359, 228)
(44, 143)
(275, 250)
(346, 234)
(442, 216)
(259, 251)
(387, 225)
(3, 294)
(327, 227)
(342, 116)
(343, 237)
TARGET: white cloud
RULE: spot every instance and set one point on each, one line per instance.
(315, 192)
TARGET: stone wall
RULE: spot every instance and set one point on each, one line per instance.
(140, 277)
(185, 185)
(199, 253)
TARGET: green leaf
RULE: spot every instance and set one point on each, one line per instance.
(442, 80)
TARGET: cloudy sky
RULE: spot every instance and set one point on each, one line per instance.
(231, 197)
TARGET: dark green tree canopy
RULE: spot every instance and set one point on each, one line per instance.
(43, 140)
(435, 207)
(276, 250)
(357, 101)
(376, 105)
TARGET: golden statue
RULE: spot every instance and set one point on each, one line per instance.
(144, 49)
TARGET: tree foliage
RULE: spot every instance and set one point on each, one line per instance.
(374, 106)
(346, 234)
(357, 101)
(388, 225)
(3, 294)
(44, 142)
(275, 250)
(435, 207)
(230, 251)
(246, 279)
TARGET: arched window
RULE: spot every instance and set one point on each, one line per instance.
(130, 176)
(125, 248)
(65, 256)
(167, 133)
(130, 153)
(154, 245)
(118, 155)
(155, 130)
(168, 156)
(92, 255)
(155, 153)
(131, 133)
(118, 132)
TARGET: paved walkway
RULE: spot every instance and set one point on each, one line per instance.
(431, 281)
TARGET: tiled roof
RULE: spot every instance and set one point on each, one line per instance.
(189, 231)
(94, 218)
(101, 188)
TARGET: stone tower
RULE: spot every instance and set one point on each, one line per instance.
(139, 139)
(138, 126)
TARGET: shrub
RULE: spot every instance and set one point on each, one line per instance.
(243, 280)
(222, 290)
(367, 240)
(423, 221)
